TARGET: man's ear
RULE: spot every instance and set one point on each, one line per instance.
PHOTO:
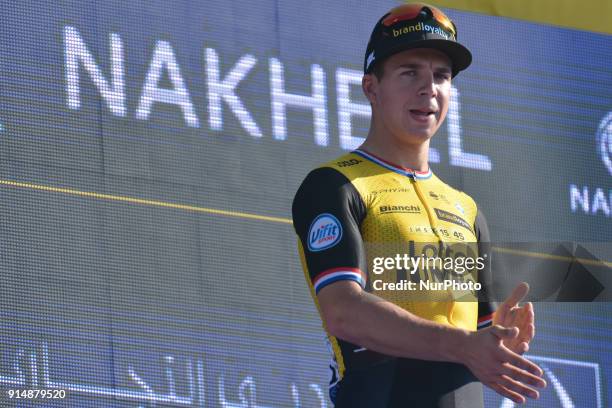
(369, 85)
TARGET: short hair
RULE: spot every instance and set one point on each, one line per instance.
(378, 69)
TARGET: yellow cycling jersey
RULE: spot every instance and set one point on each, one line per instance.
(359, 209)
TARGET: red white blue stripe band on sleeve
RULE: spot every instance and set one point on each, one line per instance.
(485, 321)
(336, 274)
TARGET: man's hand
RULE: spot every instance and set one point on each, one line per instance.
(499, 368)
(510, 314)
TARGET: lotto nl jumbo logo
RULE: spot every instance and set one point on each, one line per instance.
(325, 232)
(604, 141)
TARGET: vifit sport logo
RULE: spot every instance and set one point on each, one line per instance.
(325, 232)
(420, 27)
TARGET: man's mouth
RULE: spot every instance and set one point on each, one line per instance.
(422, 112)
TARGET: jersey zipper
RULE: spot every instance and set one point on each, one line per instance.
(428, 209)
(434, 226)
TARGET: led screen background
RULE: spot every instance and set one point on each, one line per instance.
(149, 153)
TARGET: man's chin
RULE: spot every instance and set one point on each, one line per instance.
(419, 136)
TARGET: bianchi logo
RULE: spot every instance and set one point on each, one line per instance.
(411, 209)
(604, 141)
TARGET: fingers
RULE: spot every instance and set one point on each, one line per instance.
(525, 323)
(522, 375)
(504, 311)
(531, 319)
(517, 295)
(503, 391)
(526, 329)
(527, 313)
(505, 333)
(528, 333)
(501, 366)
(518, 387)
(521, 362)
(523, 318)
(512, 384)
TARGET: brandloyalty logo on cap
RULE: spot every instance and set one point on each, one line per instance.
(420, 27)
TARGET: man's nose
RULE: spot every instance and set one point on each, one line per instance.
(428, 85)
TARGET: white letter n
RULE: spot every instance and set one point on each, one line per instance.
(76, 52)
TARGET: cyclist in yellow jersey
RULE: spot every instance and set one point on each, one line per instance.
(421, 348)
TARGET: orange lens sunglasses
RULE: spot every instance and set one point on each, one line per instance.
(412, 11)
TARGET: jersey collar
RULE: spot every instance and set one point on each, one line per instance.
(419, 175)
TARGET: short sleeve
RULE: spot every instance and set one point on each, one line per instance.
(327, 213)
(486, 307)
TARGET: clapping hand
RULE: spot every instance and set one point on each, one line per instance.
(509, 314)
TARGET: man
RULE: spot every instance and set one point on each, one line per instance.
(401, 348)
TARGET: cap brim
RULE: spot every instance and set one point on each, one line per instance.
(460, 56)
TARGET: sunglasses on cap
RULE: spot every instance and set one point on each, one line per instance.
(414, 10)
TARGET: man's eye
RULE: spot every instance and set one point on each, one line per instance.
(444, 77)
(409, 73)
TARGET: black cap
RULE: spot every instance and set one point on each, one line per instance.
(415, 25)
